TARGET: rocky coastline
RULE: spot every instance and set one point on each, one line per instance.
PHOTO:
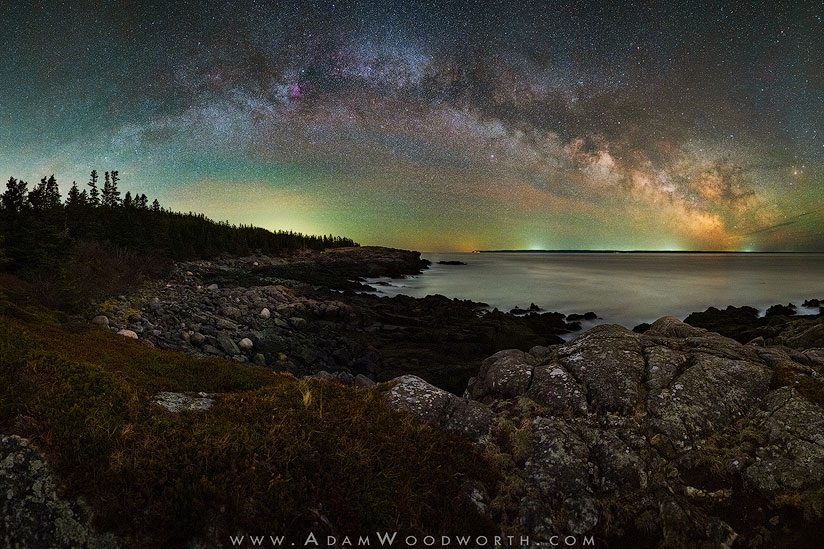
(708, 432)
(308, 314)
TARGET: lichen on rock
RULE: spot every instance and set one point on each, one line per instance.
(664, 436)
(32, 511)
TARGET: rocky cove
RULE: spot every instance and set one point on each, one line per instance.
(308, 314)
(671, 435)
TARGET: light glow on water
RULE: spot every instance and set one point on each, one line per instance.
(625, 288)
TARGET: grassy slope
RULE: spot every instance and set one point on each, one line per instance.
(272, 450)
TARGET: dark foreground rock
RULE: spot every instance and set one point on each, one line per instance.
(676, 437)
(781, 325)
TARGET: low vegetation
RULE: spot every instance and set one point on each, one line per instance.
(274, 454)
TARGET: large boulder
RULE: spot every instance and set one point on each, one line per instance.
(441, 408)
(32, 513)
(559, 482)
(101, 320)
(503, 375)
(707, 397)
(659, 438)
(609, 363)
(555, 388)
(803, 335)
(227, 344)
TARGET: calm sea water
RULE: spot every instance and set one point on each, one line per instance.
(622, 288)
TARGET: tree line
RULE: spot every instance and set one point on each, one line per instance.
(38, 227)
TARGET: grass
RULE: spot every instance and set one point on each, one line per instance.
(786, 375)
(273, 455)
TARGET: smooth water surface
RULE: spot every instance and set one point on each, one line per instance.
(622, 288)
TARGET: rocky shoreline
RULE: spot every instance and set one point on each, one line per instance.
(677, 437)
(708, 432)
(303, 315)
(309, 314)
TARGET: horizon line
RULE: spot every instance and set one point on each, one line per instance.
(591, 251)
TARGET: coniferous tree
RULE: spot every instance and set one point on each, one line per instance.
(51, 194)
(73, 197)
(13, 201)
(106, 198)
(94, 193)
(115, 193)
(38, 237)
(14, 205)
(34, 237)
(37, 196)
(76, 217)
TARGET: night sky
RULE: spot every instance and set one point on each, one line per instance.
(436, 125)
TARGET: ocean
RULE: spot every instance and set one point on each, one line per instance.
(621, 288)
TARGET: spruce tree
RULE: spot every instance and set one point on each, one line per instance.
(13, 201)
(106, 199)
(51, 194)
(37, 196)
(73, 196)
(94, 193)
(115, 193)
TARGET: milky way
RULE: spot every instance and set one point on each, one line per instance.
(436, 125)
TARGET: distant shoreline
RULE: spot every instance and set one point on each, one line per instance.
(686, 252)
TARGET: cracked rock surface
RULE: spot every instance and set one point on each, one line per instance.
(675, 437)
(33, 513)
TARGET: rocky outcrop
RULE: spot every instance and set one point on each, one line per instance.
(32, 512)
(780, 325)
(659, 438)
(792, 457)
(441, 408)
(335, 268)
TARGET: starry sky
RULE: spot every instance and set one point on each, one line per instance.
(436, 125)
